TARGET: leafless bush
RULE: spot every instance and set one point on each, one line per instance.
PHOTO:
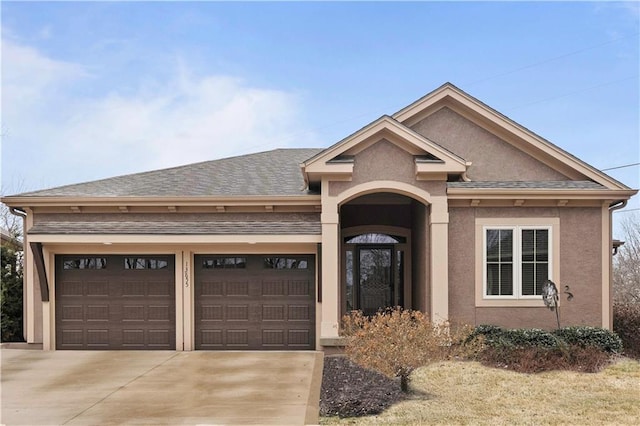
(396, 341)
(626, 323)
(626, 264)
(536, 359)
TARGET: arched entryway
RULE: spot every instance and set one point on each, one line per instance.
(384, 247)
(371, 206)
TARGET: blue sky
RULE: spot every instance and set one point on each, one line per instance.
(93, 90)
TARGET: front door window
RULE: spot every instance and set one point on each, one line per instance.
(375, 277)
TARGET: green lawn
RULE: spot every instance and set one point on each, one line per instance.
(449, 393)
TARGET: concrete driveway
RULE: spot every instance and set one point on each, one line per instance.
(165, 387)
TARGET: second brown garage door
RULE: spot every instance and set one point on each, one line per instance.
(255, 302)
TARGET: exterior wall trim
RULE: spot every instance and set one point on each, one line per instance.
(171, 239)
(385, 186)
(607, 314)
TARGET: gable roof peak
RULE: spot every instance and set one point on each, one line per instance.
(450, 96)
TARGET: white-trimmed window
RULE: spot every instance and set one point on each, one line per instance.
(517, 260)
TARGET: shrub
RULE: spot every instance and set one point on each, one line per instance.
(485, 331)
(585, 349)
(605, 340)
(626, 323)
(529, 337)
(11, 296)
(396, 341)
(497, 337)
(535, 359)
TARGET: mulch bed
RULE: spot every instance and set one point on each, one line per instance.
(349, 390)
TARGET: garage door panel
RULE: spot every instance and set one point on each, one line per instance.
(211, 312)
(299, 288)
(115, 307)
(134, 289)
(159, 288)
(159, 338)
(160, 313)
(72, 338)
(133, 313)
(97, 313)
(273, 288)
(299, 337)
(98, 338)
(299, 313)
(273, 313)
(97, 288)
(256, 306)
(133, 337)
(273, 338)
(236, 289)
(71, 313)
(211, 339)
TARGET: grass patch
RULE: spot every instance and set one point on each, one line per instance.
(469, 393)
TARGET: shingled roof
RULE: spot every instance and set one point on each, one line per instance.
(180, 228)
(270, 173)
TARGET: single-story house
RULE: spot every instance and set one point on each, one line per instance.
(446, 206)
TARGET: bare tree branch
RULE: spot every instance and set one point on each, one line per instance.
(626, 264)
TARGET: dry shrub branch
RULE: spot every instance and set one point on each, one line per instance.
(396, 341)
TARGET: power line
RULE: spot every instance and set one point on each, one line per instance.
(620, 167)
(532, 65)
(572, 93)
(535, 64)
(627, 210)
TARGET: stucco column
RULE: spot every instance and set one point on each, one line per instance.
(330, 268)
(439, 270)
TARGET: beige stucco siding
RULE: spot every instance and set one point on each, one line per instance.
(384, 161)
(581, 265)
(580, 268)
(461, 265)
(493, 159)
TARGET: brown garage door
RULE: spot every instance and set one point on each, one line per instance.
(115, 302)
(255, 302)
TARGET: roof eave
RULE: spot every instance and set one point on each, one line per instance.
(536, 193)
(308, 199)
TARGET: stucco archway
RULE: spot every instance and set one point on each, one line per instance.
(438, 219)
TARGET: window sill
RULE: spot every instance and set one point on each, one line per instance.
(514, 303)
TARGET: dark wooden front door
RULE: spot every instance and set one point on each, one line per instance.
(375, 278)
(115, 302)
(255, 302)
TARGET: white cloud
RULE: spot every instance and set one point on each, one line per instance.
(65, 137)
(28, 76)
